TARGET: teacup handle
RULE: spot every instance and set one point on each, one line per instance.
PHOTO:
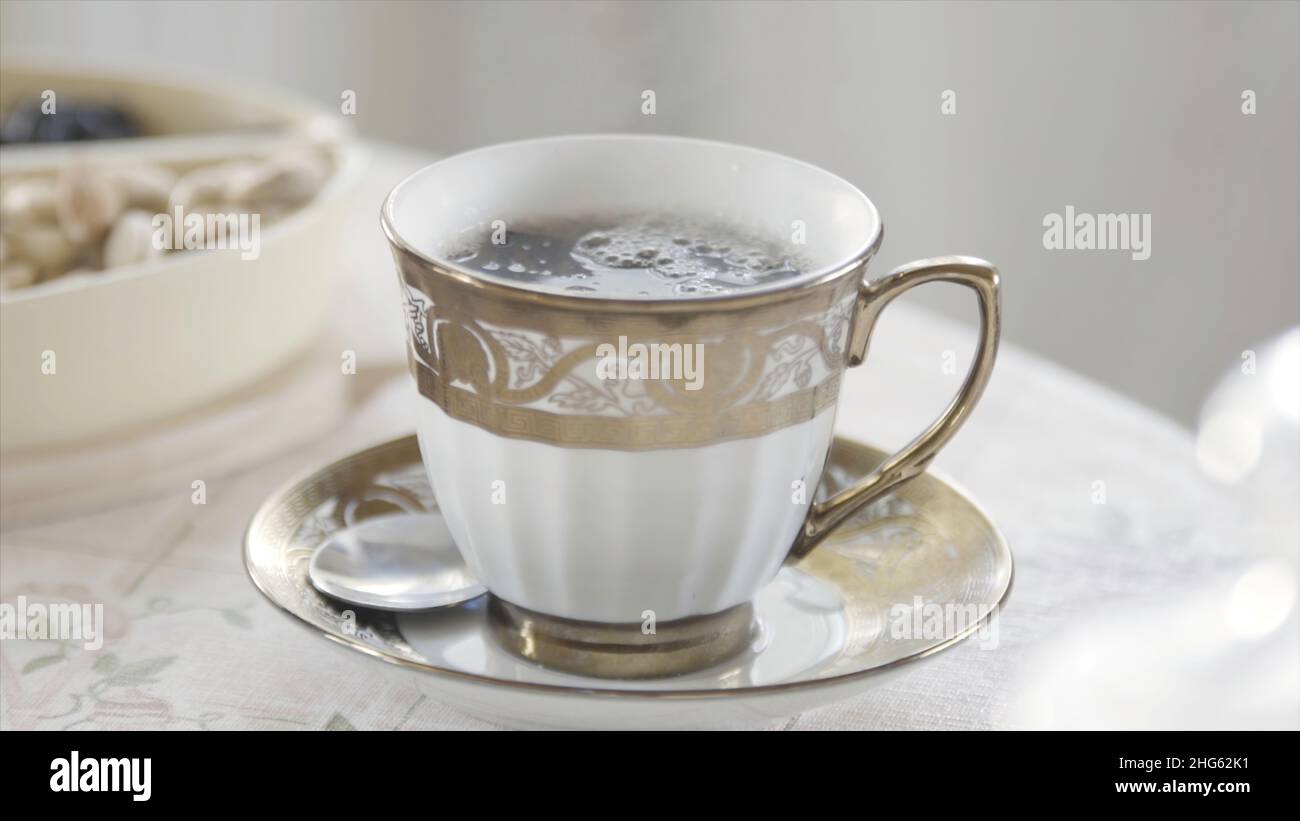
(913, 459)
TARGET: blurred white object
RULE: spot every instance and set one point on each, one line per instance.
(1223, 658)
(1227, 654)
(1250, 424)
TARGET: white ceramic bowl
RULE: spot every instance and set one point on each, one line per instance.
(140, 343)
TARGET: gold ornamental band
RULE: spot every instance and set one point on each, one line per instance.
(645, 432)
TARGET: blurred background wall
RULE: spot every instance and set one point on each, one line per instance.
(1110, 108)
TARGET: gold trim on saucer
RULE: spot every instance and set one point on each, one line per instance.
(390, 478)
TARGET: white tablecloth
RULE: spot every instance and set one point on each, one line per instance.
(1123, 553)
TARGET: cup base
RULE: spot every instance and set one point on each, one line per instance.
(621, 651)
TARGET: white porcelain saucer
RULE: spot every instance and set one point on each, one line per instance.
(909, 577)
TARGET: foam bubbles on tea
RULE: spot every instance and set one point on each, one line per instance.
(635, 258)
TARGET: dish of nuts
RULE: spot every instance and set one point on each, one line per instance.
(90, 216)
